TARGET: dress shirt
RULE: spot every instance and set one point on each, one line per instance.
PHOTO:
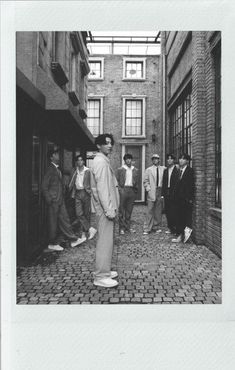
(181, 173)
(80, 178)
(170, 169)
(128, 181)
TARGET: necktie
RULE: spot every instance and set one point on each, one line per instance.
(157, 178)
(181, 173)
(59, 172)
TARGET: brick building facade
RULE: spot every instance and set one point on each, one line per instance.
(192, 97)
(124, 99)
(51, 79)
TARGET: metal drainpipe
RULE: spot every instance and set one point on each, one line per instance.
(163, 102)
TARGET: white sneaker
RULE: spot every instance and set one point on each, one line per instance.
(187, 233)
(56, 247)
(113, 274)
(167, 232)
(78, 241)
(105, 282)
(158, 231)
(92, 232)
(177, 240)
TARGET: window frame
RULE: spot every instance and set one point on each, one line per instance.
(134, 60)
(134, 98)
(99, 60)
(100, 98)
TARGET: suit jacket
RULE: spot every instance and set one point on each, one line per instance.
(150, 181)
(184, 189)
(52, 186)
(104, 186)
(173, 181)
(86, 181)
(121, 178)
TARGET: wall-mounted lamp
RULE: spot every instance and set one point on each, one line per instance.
(154, 138)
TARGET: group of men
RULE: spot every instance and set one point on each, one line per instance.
(111, 196)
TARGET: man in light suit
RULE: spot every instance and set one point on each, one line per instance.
(127, 178)
(52, 188)
(153, 185)
(80, 190)
(105, 201)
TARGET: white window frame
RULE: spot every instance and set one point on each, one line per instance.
(134, 60)
(143, 164)
(133, 97)
(94, 59)
(101, 99)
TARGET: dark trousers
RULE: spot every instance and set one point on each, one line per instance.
(58, 221)
(170, 210)
(127, 198)
(83, 209)
(183, 215)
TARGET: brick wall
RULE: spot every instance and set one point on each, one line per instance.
(197, 56)
(113, 87)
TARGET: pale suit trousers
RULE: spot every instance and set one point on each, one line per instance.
(154, 212)
(104, 246)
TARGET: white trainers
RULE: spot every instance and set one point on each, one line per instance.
(177, 240)
(78, 241)
(56, 247)
(167, 232)
(158, 231)
(92, 232)
(105, 282)
(187, 233)
(113, 274)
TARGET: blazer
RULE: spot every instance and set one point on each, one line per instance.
(86, 181)
(104, 187)
(173, 181)
(150, 181)
(184, 189)
(52, 185)
(121, 178)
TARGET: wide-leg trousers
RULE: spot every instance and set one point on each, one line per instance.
(154, 212)
(104, 246)
(83, 208)
(127, 199)
(58, 220)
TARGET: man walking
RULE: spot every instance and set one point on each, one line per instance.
(80, 189)
(52, 188)
(105, 200)
(170, 179)
(184, 192)
(127, 177)
(153, 185)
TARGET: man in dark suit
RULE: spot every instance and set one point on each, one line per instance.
(170, 179)
(127, 177)
(184, 192)
(80, 189)
(52, 188)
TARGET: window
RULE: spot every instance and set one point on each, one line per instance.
(217, 63)
(95, 116)
(133, 117)
(134, 69)
(181, 127)
(96, 69)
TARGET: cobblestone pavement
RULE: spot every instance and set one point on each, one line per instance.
(152, 270)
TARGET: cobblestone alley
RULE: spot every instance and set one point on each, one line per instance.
(151, 270)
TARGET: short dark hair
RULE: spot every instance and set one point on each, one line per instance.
(127, 156)
(101, 139)
(79, 156)
(185, 156)
(170, 155)
(51, 152)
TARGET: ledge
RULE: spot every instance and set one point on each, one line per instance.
(216, 213)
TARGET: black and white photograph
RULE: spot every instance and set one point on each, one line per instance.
(117, 185)
(118, 160)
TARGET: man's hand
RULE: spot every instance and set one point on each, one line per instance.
(110, 214)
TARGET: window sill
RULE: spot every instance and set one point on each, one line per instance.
(134, 137)
(96, 79)
(215, 212)
(134, 79)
